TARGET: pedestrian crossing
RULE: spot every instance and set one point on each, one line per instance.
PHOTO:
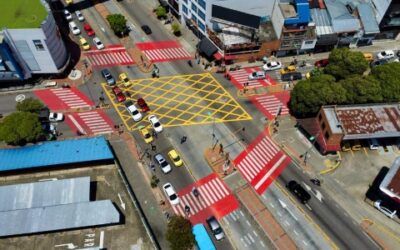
(90, 123)
(261, 163)
(64, 98)
(163, 51)
(116, 55)
(270, 105)
(214, 198)
(241, 77)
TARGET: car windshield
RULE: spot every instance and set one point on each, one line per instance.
(135, 112)
(164, 164)
(177, 158)
(218, 230)
(147, 135)
(269, 64)
(173, 197)
(157, 124)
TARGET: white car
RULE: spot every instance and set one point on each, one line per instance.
(164, 165)
(56, 117)
(79, 15)
(98, 43)
(74, 29)
(387, 54)
(67, 15)
(272, 66)
(155, 123)
(136, 115)
(384, 210)
(258, 75)
(171, 194)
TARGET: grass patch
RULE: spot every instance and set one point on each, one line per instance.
(22, 14)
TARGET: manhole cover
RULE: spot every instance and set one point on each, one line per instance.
(20, 98)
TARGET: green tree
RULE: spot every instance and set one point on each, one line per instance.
(179, 233)
(176, 29)
(117, 23)
(21, 127)
(30, 105)
(388, 76)
(344, 62)
(361, 89)
(161, 12)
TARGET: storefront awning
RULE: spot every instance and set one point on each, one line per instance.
(207, 47)
(230, 57)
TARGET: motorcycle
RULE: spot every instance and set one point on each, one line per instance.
(316, 182)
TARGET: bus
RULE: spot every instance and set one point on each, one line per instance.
(203, 240)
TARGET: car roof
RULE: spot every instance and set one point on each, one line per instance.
(173, 153)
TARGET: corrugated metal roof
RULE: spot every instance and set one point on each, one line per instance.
(44, 193)
(259, 8)
(342, 20)
(367, 17)
(55, 153)
(61, 217)
(322, 22)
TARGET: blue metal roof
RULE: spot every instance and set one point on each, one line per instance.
(368, 19)
(202, 238)
(55, 153)
(303, 13)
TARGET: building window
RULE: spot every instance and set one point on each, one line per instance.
(202, 15)
(194, 8)
(185, 1)
(194, 18)
(184, 9)
(202, 26)
(308, 42)
(38, 44)
(326, 135)
(202, 3)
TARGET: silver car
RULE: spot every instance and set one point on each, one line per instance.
(384, 210)
(164, 165)
(215, 228)
(258, 75)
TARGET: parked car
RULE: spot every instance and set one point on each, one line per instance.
(146, 135)
(133, 111)
(143, 105)
(98, 43)
(171, 194)
(164, 165)
(321, 63)
(288, 69)
(146, 29)
(67, 15)
(387, 54)
(273, 65)
(386, 211)
(175, 158)
(74, 29)
(257, 75)
(123, 77)
(299, 191)
(292, 76)
(155, 123)
(107, 75)
(215, 228)
(118, 94)
(56, 117)
(378, 62)
(84, 43)
(79, 15)
(88, 29)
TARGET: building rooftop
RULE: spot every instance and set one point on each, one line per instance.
(55, 153)
(323, 25)
(259, 8)
(367, 17)
(391, 183)
(18, 14)
(364, 121)
(342, 19)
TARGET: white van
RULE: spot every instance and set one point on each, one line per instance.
(74, 29)
(373, 144)
(384, 210)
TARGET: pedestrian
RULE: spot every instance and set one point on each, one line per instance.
(183, 139)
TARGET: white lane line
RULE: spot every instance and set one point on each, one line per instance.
(77, 125)
(286, 223)
(244, 243)
(248, 222)
(295, 232)
(262, 244)
(305, 243)
(241, 213)
(251, 238)
(226, 220)
(255, 233)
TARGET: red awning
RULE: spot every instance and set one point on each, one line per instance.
(230, 57)
(218, 56)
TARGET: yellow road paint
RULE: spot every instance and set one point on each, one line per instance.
(180, 100)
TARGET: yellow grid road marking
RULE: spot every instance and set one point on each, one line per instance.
(180, 100)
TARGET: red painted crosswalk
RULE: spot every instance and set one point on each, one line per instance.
(262, 162)
(90, 123)
(214, 198)
(163, 51)
(63, 98)
(272, 103)
(111, 56)
(241, 76)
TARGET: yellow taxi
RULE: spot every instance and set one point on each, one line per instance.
(146, 135)
(123, 77)
(84, 43)
(173, 155)
(368, 56)
(288, 69)
(68, 2)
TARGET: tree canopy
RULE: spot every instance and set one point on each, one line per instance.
(179, 233)
(30, 105)
(117, 23)
(388, 76)
(21, 127)
(343, 63)
(161, 12)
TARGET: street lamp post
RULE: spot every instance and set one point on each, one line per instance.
(306, 154)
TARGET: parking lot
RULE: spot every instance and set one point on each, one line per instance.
(131, 234)
(180, 100)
